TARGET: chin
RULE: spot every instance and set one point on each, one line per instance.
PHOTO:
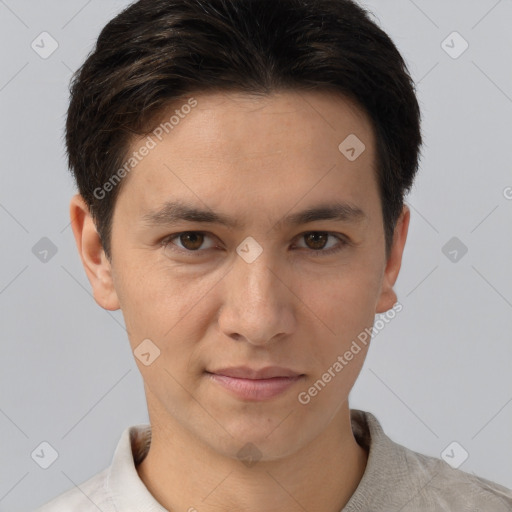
(268, 439)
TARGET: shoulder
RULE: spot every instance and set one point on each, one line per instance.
(114, 487)
(438, 484)
(90, 496)
(398, 478)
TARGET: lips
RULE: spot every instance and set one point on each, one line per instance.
(255, 385)
(244, 372)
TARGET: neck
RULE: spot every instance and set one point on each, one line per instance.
(182, 473)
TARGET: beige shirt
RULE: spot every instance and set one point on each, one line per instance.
(396, 479)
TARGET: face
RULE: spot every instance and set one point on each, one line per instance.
(284, 268)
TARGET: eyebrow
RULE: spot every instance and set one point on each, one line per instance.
(173, 212)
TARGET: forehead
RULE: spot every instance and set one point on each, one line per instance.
(278, 121)
(273, 147)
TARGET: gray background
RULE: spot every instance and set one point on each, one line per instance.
(439, 372)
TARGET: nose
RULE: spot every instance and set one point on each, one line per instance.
(259, 306)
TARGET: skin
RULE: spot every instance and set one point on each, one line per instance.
(256, 159)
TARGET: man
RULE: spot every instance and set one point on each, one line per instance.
(241, 168)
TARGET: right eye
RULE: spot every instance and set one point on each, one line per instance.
(190, 241)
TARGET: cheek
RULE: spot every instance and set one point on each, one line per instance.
(346, 299)
(342, 307)
(339, 344)
(166, 306)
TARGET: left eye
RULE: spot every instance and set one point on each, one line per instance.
(192, 241)
(316, 241)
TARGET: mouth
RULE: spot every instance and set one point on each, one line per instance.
(255, 385)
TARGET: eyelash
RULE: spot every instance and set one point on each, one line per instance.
(166, 242)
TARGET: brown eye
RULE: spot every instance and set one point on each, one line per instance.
(316, 240)
(188, 242)
(191, 240)
(321, 243)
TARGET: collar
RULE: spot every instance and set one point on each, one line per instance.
(386, 463)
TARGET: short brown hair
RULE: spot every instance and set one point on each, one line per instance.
(157, 51)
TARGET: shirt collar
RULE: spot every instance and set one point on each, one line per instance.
(127, 489)
(386, 462)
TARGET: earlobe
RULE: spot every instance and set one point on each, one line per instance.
(96, 264)
(388, 296)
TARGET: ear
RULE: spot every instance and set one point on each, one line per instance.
(96, 264)
(388, 296)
